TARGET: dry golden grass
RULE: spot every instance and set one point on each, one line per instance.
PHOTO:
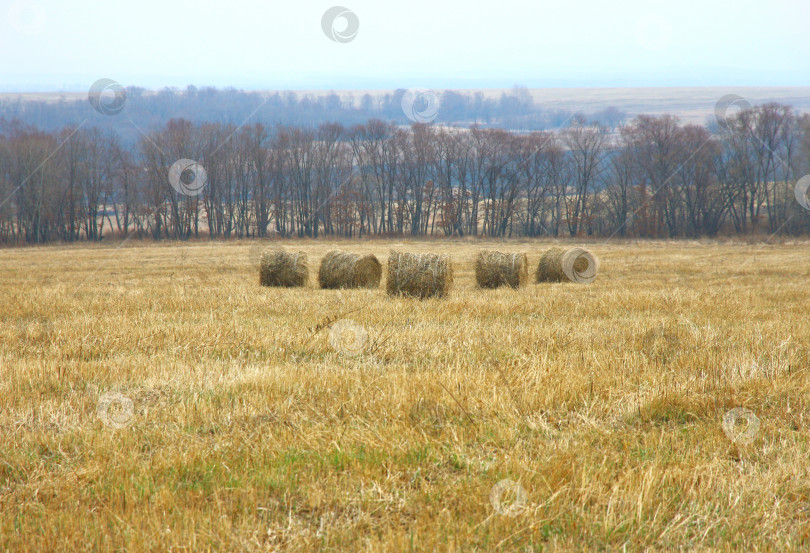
(251, 431)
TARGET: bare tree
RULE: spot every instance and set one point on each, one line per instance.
(585, 146)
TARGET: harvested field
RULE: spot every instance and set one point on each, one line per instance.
(156, 397)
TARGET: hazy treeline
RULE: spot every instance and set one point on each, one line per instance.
(514, 109)
(653, 177)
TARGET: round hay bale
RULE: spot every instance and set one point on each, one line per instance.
(349, 270)
(419, 275)
(280, 268)
(493, 269)
(574, 264)
(550, 267)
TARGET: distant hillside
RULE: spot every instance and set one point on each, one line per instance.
(518, 108)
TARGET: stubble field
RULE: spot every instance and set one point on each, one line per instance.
(155, 397)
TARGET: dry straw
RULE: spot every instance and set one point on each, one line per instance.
(419, 275)
(280, 268)
(493, 269)
(574, 264)
(349, 270)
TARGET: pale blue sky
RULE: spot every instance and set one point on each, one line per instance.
(57, 45)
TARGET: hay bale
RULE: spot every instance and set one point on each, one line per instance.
(493, 269)
(280, 268)
(550, 267)
(419, 275)
(349, 270)
(574, 264)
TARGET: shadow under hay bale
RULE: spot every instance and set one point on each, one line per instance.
(561, 265)
(494, 269)
(349, 270)
(280, 268)
(419, 275)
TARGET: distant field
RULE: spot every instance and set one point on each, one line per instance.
(692, 104)
(249, 431)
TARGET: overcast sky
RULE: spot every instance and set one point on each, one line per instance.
(57, 45)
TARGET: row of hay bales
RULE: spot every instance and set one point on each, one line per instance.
(424, 275)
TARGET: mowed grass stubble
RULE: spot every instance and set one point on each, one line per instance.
(249, 431)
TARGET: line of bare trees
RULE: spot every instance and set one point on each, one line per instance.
(653, 177)
(514, 109)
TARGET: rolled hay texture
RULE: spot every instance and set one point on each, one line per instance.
(419, 275)
(280, 268)
(494, 269)
(562, 265)
(349, 270)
